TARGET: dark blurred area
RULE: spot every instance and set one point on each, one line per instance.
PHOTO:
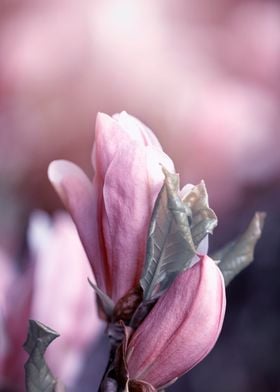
(205, 77)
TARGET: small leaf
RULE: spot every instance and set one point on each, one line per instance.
(203, 219)
(177, 230)
(238, 254)
(105, 302)
(170, 248)
(38, 376)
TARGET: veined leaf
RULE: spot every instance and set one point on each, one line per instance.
(38, 377)
(238, 254)
(203, 219)
(170, 247)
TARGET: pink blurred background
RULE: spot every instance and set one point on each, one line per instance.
(205, 76)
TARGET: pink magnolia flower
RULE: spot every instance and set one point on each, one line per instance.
(112, 214)
(53, 290)
(182, 327)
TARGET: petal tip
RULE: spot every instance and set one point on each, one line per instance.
(103, 118)
(58, 169)
(54, 174)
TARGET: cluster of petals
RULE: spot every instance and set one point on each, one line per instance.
(112, 214)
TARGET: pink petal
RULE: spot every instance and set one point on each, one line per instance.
(111, 133)
(136, 129)
(113, 214)
(128, 176)
(79, 197)
(164, 348)
(132, 183)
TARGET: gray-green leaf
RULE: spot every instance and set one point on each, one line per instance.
(238, 254)
(38, 377)
(170, 248)
(203, 219)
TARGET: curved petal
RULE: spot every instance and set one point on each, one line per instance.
(164, 348)
(112, 214)
(131, 185)
(79, 197)
(136, 129)
(109, 138)
(128, 177)
(112, 132)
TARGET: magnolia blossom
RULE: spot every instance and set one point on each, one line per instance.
(112, 214)
(182, 327)
(53, 290)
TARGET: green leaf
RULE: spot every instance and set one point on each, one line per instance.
(170, 247)
(38, 377)
(203, 219)
(238, 254)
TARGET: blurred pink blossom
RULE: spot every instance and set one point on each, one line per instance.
(199, 75)
(182, 327)
(53, 290)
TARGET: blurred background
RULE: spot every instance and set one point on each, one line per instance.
(205, 76)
